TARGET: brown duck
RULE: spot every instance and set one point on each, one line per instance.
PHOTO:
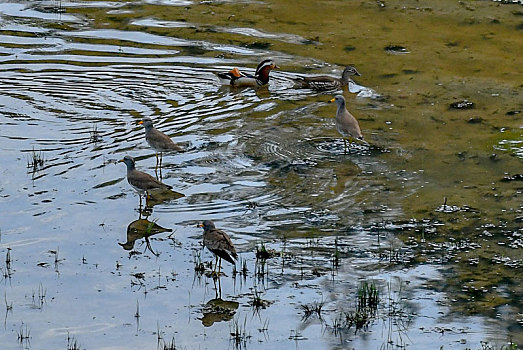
(326, 82)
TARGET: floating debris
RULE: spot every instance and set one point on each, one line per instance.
(259, 45)
(475, 120)
(398, 49)
(517, 177)
(464, 104)
(445, 208)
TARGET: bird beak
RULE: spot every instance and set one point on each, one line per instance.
(120, 161)
(199, 225)
(275, 67)
(140, 122)
(332, 100)
(235, 72)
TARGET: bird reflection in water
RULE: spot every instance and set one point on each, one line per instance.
(142, 228)
(217, 310)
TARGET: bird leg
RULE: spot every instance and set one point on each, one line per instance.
(213, 273)
(344, 146)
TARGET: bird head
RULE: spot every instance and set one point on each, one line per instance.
(207, 225)
(146, 122)
(128, 160)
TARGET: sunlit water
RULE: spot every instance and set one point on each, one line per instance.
(268, 167)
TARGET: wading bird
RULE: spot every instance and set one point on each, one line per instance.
(219, 243)
(140, 181)
(158, 140)
(346, 124)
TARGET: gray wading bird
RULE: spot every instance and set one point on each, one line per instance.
(346, 124)
(140, 181)
(158, 140)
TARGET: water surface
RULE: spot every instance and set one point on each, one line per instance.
(430, 212)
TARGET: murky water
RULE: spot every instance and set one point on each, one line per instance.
(430, 213)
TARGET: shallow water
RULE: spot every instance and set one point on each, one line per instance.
(430, 212)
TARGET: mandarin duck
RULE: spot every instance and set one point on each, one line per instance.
(239, 79)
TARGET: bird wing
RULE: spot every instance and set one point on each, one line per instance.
(144, 181)
(320, 82)
(160, 141)
(219, 242)
(349, 125)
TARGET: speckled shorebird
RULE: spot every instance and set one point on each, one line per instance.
(326, 82)
(158, 140)
(236, 78)
(346, 124)
(140, 181)
(219, 243)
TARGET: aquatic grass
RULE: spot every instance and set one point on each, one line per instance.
(486, 346)
(368, 296)
(137, 313)
(8, 306)
(167, 345)
(38, 301)
(358, 319)
(336, 257)
(262, 253)
(24, 335)
(238, 333)
(244, 269)
(198, 265)
(397, 315)
(257, 302)
(8, 259)
(311, 309)
(265, 327)
(60, 8)
(366, 307)
(367, 302)
(35, 161)
(72, 343)
(94, 135)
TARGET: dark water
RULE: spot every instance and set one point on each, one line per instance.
(430, 213)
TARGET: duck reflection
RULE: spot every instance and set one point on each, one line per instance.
(142, 228)
(217, 310)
